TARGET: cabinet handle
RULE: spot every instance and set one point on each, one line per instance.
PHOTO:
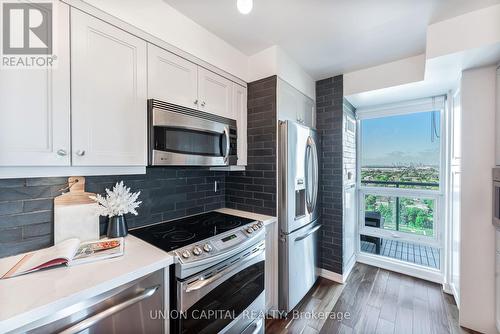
(80, 153)
(195, 102)
(62, 153)
(203, 103)
(91, 321)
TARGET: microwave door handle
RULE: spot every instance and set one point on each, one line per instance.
(228, 144)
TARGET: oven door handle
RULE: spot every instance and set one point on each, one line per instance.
(254, 327)
(228, 144)
(201, 283)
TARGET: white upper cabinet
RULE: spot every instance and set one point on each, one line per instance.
(109, 84)
(240, 107)
(171, 78)
(307, 113)
(294, 106)
(215, 94)
(289, 102)
(35, 108)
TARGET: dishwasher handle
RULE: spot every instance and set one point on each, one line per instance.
(84, 324)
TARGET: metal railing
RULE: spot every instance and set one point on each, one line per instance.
(398, 184)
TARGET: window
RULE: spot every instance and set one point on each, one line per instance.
(401, 151)
(400, 184)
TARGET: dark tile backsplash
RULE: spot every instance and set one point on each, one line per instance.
(255, 189)
(26, 205)
(329, 109)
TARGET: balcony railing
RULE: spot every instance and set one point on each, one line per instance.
(399, 184)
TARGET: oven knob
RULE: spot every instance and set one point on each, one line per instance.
(260, 224)
(207, 248)
(197, 251)
(255, 227)
(249, 230)
(185, 254)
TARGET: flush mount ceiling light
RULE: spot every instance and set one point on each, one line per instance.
(244, 6)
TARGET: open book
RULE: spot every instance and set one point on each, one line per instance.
(69, 252)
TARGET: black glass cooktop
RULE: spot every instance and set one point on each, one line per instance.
(185, 231)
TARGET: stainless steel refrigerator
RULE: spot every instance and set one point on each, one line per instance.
(298, 212)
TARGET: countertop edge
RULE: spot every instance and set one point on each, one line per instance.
(22, 319)
(251, 215)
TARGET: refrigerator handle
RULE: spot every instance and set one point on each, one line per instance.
(311, 152)
(308, 181)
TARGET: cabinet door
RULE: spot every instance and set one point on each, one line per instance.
(240, 107)
(35, 108)
(108, 94)
(307, 112)
(171, 78)
(215, 94)
(289, 102)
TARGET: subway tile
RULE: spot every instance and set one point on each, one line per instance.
(25, 219)
(14, 234)
(9, 208)
(38, 204)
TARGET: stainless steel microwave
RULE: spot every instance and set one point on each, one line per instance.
(180, 136)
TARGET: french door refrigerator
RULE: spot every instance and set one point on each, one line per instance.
(298, 212)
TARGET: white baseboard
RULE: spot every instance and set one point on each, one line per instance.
(330, 275)
(339, 278)
(447, 289)
(349, 267)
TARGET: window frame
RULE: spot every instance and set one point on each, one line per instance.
(437, 240)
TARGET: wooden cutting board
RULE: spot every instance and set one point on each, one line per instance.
(75, 214)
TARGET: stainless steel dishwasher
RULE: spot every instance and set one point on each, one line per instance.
(130, 308)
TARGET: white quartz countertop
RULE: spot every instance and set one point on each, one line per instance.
(27, 298)
(250, 215)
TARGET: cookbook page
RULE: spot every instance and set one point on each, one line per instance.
(58, 254)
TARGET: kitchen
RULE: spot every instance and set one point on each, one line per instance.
(243, 172)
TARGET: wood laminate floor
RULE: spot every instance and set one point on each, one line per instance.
(374, 300)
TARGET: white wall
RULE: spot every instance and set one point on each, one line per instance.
(468, 31)
(159, 19)
(477, 265)
(274, 61)
(391, 74)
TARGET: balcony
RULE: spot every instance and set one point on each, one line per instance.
(396, 210)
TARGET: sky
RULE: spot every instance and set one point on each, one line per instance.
(399, 140)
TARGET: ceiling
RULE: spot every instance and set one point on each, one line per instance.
(328, 37)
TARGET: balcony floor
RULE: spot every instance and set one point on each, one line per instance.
(404, 251)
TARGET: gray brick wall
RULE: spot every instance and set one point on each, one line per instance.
(255, 189)
(26, 205)
(329, 109)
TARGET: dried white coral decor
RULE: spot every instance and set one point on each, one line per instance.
(118, 201)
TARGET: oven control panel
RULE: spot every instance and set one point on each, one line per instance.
(219, 243)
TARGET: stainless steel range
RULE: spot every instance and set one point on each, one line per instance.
(217, 283)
